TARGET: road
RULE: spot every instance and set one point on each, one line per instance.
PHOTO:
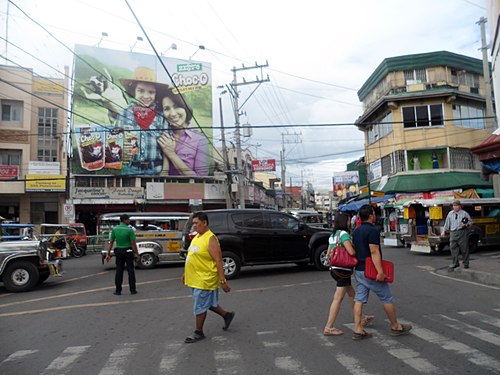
(75, 325)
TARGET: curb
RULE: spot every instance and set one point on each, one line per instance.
(480, 277)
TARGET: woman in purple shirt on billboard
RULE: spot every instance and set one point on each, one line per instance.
(186, 152)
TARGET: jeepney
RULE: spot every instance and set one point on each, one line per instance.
(158, 235)
(426, 219)
(25, 261)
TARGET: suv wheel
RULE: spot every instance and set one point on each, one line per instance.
(232, 264)
(20, 276)
(321, 258)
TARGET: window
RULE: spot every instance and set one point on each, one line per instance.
(413, 76)
(423, 115)
(463, 159)
(280, 221)
(380, 129)
(11, 110)
(47, 134)
(10, 157)
(468, 117)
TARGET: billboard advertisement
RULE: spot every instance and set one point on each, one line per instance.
(267, 165)
(345, 184)
(131, 118)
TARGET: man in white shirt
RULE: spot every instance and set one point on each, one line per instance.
(456, 224)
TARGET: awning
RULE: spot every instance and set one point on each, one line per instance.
(356, 205)
(423, 182)
(489, 149)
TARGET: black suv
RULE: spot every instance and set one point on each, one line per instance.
(251, 237)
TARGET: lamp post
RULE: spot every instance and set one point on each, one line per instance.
(103, 35)
(229, 201)
(199, 47)
(139, 39)
(172, 46)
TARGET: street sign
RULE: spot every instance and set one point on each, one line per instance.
(69, 210)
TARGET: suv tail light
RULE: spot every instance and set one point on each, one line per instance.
(191, 235)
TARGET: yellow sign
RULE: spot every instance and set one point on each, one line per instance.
(173, 246)
(45, 183)
(492, 229)
(378, 194)
(436, 213)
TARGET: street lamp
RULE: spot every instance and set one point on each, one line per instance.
(139, 39)
(199, 47)
(172, 46)
(103, 35)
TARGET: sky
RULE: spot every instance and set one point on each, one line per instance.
(319, 53)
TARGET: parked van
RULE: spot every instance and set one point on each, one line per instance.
(426, 219)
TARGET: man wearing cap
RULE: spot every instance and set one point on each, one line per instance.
(456, 224)
(143, 124)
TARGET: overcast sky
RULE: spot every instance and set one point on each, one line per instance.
(319, 52)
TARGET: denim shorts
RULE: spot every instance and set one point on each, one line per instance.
(204, 299)
(364, 285)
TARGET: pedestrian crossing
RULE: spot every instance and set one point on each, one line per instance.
(468, 340)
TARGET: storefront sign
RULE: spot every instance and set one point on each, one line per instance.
(9, 172)
(45, 183)
(263, 165)
(109, 193)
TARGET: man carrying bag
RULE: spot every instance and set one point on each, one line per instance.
(366, 240)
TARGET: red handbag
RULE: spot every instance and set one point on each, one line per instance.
(339, 257)
(371, 271)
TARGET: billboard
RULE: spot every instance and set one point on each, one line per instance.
(263, 165)
(345, 184)
(130, 119)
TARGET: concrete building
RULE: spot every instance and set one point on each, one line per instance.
(422, 114)
(33, 129)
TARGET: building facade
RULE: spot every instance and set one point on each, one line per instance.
(422, 114)
(33, 158)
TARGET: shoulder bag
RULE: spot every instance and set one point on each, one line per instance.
(339, 257)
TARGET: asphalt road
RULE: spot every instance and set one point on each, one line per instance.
(76, 325)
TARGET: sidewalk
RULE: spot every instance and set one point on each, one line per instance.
(484, 269)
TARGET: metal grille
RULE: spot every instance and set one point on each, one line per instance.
(463, 159)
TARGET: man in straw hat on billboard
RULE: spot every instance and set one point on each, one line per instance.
(457, 222)
(142, 122)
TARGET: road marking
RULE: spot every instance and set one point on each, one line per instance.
(227, 361)
(412, 358)
(315, 332)
(471, 330)
(110, 303)
(117, 361)
(466, 281)
(81, 292)
(351, 364)
(63, 363)
(482, 317)
(168, 362)
(20, 354)
(290, 364)
(464, 351)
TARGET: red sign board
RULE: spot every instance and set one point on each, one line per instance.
(264, 165)
(9, 172)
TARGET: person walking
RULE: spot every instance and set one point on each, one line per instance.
(203, 273)
(456, 223)
(126, 247)
(341, 275)
(366, 240)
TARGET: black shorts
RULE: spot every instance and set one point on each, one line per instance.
(341, 276)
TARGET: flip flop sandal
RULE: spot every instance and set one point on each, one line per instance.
(367, 320)
(228, 318)
(195, 337)
(361, 336)
(405, 329)
(332, 332)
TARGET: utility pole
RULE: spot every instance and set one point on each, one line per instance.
(233, 90)
(229, 201)
(283, 165)
(490, 121)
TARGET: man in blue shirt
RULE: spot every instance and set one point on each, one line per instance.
(366, 241)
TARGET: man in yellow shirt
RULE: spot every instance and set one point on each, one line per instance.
(204, 272)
